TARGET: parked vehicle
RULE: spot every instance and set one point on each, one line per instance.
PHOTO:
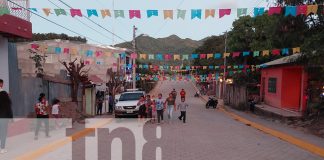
(127, 103)
(212, 102)
(197, 94)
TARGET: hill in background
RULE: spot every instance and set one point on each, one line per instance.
(171, 44)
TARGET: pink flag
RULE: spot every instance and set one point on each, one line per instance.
(236, 54)
(276, 52)
(34, 46)
(302, 9)
(223, 12)
(66, 50)
(133, 56)
(134, 13)
(76, 12)
(203, 56)
(98, 53)
(167, 56)
(274, 10)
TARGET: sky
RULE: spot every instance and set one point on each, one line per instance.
(156, 27)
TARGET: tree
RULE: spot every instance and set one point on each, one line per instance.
(77, 75)
(39, 60)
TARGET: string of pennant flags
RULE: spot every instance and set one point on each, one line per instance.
(182, 14)
(188, 68)
(188, 77)
(159, 56)
(274, 52)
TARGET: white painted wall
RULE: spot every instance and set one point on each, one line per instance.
(4, 64)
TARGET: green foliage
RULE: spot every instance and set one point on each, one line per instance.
(50, 36)
(39, 60)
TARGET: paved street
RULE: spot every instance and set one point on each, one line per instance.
(208, 135)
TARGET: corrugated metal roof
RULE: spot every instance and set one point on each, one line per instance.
(283, 60)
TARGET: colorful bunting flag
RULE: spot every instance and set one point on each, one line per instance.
(296, 50)
(302, 10)
(151, 13)
(119, 13)
(60, 12)
(47, 11)
(246, 54)
(76, 12)
(218, 55)
(176, 57)
(181, 14)
(265, 53)
(134, 14)
(92, 12)
(241, 12)
(236, 54)
(312, 9)
(290, 10)
(196, 13)
(105, 13)
(274, 10)
(210, 56)
(285, 51)
(226, 55)
(223, 12)
(256, 53)
(258, 11)
(209, 13)
(276, 52)
(168, 14)
(185, 57)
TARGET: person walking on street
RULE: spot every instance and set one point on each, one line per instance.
(142, 108)
(41, 109)
(182, 93)
(174, 94)
(55, 112)
(170, 101)
(183, 109)
(160, 106)
(5, 115)
(111, 103)
(148, 105)
(99, 102)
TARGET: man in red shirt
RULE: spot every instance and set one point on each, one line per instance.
(183, 93)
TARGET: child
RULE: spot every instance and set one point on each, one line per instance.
(55, 112)
(183, 108)
(153, 110)
(159, 106)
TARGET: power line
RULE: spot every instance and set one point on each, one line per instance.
(54, 22)
(96, 23)
(83, 22)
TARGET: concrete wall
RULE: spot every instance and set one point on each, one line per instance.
(24, 91)
(4, 65)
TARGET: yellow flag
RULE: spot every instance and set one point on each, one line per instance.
(296, 50)
(226, 55)
(105, 13)
(168, 14)
(210, 56)
(209, 12)
(265, 53)
(108, 54)
(176, 57)
(143, 56)
(47, 11)
(312, 9)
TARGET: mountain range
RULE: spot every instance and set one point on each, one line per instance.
(171, 44)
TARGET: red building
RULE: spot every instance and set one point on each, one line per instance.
(283, 84)
(14, 23)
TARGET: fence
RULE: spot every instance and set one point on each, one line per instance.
(16, 10)
(236, 96)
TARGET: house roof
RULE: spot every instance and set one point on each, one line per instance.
(95, 79)
(281, 61)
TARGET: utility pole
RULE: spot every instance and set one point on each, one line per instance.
(224, 74)
(134, 51)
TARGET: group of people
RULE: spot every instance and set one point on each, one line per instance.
(154, 107)
(100, 98)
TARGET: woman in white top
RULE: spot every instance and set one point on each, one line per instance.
(55, 112)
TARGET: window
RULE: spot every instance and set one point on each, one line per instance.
(272, 85)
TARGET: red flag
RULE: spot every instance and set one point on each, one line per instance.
(223, 12)
(274, 10)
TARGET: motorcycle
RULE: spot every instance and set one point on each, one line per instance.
(197, 94)
(212, 102)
